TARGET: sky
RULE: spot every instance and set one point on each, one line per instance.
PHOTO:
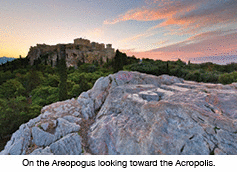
(199, 30)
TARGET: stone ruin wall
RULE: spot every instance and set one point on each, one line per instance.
(81, 50)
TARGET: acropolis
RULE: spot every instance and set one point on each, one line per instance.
(82, 50)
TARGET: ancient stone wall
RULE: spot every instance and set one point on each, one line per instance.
(80, 41)
(81, 50)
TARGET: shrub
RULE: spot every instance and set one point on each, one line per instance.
(228, 78)
(11, 88)
(193, 76)
(44, 95)
(14, 112)
(52, 80)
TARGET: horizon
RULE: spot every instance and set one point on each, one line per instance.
(156, 29)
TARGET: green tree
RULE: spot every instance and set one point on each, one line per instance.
(51, 63)
(62, 71)
(118, 61)
(4, 76)
(167, 67)
(11, 88)
(101, 61)
(32, 79)
(44, 95)
(52, 80)
(180, 63)
(76, 90)
(14, 112)
(194, 76)
(228, 78)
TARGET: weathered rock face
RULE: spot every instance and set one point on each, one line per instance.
(134, 113)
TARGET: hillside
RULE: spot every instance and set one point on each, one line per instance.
(26, 89)
(134, 113)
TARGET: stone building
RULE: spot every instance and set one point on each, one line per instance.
(82, 50)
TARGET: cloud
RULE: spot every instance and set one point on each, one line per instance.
(213, 43)
(139, 14)
(201, 28)
(208, 42)
(136, 37)
(189, 15)
(161, 42)
(209, 14)
(128, 50)
(210, 35)
(155, 11)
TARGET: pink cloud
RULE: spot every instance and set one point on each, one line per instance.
(140, 14)
(189, 15)
(202, 45)
(158, 11)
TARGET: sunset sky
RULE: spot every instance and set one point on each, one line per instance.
(160, 29)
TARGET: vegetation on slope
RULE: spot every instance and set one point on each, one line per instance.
(205, 72)
(25, 89)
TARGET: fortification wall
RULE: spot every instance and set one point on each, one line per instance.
(80, 41)
(81, 50)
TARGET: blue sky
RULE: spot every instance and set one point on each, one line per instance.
(159, 29)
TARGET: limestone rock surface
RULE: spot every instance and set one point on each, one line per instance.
(131, 113)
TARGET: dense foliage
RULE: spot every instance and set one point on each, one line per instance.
(25, 89)
(205, 72)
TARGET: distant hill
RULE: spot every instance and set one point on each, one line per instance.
(5, 59)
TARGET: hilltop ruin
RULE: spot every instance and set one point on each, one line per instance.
(82, 50)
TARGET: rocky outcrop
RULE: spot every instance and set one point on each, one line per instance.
(134, 113)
